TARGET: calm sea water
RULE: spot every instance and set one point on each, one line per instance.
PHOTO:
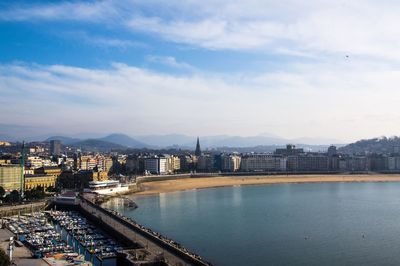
(286, 224)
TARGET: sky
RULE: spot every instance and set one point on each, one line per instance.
(316, 69)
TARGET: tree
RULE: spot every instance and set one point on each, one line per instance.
(35, 193)
(13, 196)
(53, 189)
(2, 192)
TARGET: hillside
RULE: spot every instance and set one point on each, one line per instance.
(124, 140)
(95, 145)
(375, 145)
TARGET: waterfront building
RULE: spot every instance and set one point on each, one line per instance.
(262, 162)
(156, 165)
(358, 163)
(205, 163)
(378, 162)
(10, 177)
(55, 147)
(393, 163)
(45, 181)
(313, 162)
(135, 164)
(333, 162)
(292, 163)
(310, 162)
(342, 164)
(187, 162)
(230, 163)
(173, 164)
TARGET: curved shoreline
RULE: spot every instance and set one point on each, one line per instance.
(166, 186)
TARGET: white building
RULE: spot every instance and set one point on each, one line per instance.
(231, 163)
(34, 162)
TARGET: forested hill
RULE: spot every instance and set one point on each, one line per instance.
(375, 145)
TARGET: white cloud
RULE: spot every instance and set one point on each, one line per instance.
(338, 101)
(78, 11)
(102, 41)
(169, 61)
(359, 28)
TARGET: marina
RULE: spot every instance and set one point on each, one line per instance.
(80, 232)
(64, 236)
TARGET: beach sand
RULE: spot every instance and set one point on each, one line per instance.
(156, 187)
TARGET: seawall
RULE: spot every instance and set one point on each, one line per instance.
(135, 235)
(22, 208)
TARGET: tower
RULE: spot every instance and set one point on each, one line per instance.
(55, 147)
(22, 164)
(198, 150)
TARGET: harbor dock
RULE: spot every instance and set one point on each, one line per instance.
(74, 230)
(171, 252)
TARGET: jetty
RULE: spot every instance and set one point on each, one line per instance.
(75, 228)
(171, 252)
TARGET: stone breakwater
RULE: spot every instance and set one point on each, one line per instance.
(171, 249)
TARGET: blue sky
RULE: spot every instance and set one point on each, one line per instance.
(318, 69)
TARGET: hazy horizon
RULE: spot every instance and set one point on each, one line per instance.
(295, 69)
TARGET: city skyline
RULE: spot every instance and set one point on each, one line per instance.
(290, 69)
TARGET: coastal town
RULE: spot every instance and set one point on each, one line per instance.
(70, 184)
(51, 166)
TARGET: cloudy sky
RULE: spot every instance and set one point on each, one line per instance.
(318, 69)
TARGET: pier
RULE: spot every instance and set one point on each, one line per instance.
(153, 242)
(139, 245)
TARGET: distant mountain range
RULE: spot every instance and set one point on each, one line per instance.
(261, 143)
(96, 145)
(104, 144)
(227, 141)
(125, 140)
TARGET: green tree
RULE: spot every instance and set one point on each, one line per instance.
(53, 189)
(35, 193)
(13, 196)
(2, 192)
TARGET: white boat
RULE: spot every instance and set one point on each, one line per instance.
(106, 187)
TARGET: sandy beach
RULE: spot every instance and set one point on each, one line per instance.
(156, 187)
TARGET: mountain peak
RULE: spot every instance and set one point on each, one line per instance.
(124, 140)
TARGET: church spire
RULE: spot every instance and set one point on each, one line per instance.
(198, 150)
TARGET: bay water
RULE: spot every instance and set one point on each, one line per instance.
(283, 224)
